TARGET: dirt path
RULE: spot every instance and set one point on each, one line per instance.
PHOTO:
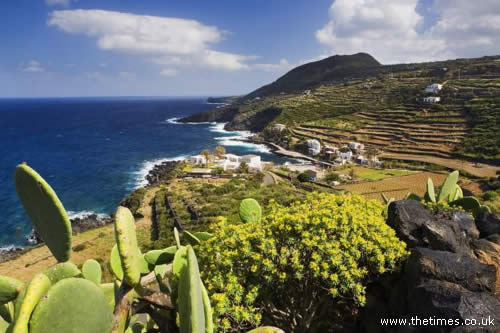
(96, 243)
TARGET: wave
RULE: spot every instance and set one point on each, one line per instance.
(147, 166)
(84, 213)
(9, 248)
(237, 139)
(175, 121)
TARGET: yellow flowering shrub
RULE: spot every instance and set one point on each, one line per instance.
(283, 269)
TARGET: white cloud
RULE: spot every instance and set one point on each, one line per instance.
(33, 66)
(58, 2)
(391, 31)
(167, 41)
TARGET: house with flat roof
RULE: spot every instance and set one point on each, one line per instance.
(313, 147)
(433, 88)
(432, 99)
(197, 159)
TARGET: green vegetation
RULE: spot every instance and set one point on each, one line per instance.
(378, 174)
(317, 254)
(133, 201)
(450, 194)
(64, 299)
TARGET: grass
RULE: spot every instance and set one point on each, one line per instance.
(378, 174)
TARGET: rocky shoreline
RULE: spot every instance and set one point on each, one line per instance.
(159, 173)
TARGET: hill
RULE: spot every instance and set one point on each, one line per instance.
(331, 69)
(382, 107)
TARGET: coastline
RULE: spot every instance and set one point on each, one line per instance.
(143, 178)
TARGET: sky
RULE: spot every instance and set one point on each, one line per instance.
(71, 48)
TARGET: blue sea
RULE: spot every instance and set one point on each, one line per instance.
(94, 151)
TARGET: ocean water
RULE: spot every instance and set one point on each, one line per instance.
(94, 151)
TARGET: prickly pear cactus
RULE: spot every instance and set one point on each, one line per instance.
(190, 238)
(250, 210)
(92, 271)
(126, 240)
(469, 204)
(116, 263)
(109, 290)
(207, 308)
(190, 300)
(45, 211)
(7, 312)
(448, 186)
(202, 235)
(430, 195)
(160, 257)
(9, 289)
(72, 305)
(61, 271)
(34, 292)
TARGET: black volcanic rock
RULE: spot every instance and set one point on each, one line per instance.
(407, 217)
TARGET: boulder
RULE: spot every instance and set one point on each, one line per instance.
(488, 224)
(406, 217)
(467, 272)
(466, 223)
(445, 300)
(489, 253)
(446, 235)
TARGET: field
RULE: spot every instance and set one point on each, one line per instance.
(395, 187)
(379, 174)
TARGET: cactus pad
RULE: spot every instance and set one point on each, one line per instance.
(191, 239)
(209, 325)
(250, 210)
(61, 271)
(72, 306)
(109, 292)
(116, 263)
(177, 239)
(430, 194)
(202, 235)
(92, 271)
(34, 292)
(45, 211)
(190, 300)
(9, 289)
(469, 204)
(448, 186)
(126, 240)
(160, 257)
(7, 312)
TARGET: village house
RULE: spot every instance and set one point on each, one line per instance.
(253, 162)
(356, 146)
(233, 162)
(432, 99)
(433, 88)
(330, 152)
(345, 156)
(313, 147)
(197, 159)
(361, 160)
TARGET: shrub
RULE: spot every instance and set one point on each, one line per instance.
(307, 176)
(332, 176)
(490, 195)
(297, 261)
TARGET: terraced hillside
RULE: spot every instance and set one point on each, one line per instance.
(386, 112)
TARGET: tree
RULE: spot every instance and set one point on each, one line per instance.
(243, 168)
(207, 154)
(220, 151)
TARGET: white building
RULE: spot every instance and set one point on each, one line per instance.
(346, 156)
(432, 99)
(314, 147)
(253, 162)
(230, 162)
(356, 146)
(198, 159)
(433, 88)
(279, 127)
